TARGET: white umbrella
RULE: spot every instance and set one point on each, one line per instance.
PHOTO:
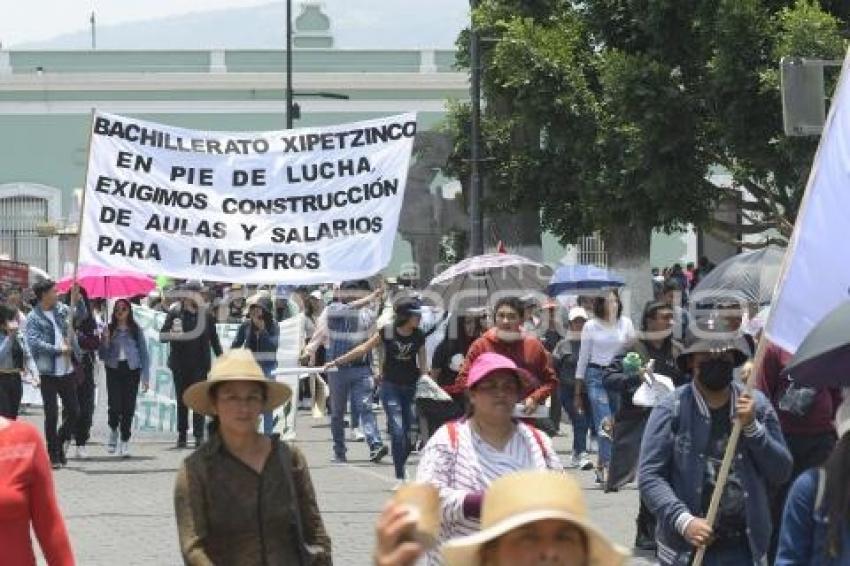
(474, 279)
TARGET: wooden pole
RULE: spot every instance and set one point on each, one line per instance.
(80, 231)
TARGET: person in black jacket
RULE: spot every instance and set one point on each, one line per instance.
(656, 344)
(89, 341)
(190, 329)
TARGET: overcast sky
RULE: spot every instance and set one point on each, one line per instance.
(34, 20)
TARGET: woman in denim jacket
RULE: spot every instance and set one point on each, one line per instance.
(125, 354)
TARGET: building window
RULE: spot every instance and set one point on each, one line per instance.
(19, 239)
(591, 250)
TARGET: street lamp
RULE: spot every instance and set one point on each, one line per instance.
(476, 227)
(290, 106)
(293, 110)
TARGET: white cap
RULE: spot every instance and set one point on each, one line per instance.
(577, 312)
(316, 295)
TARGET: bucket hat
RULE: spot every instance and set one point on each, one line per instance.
(235, 365)
(490, 362)
(738, 347)
(521, 498)
(265, 303)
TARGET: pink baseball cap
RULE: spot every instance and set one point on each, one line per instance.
(490, 362)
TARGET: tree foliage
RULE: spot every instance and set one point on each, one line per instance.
(613, 114)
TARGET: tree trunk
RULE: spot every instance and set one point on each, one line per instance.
(519, 230)
(628, 249)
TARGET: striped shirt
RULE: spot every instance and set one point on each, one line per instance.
(470, 465)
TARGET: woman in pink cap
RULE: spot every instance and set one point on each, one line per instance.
(464, 457)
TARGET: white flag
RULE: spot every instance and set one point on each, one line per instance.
(816, 276)
(294, 207)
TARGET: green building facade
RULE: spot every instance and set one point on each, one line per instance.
(46, 98)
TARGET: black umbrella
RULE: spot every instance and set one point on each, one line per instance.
(823, 359)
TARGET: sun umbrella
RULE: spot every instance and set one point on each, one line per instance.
(470, 282)
(750, 276)
(823, 359)
(105, 283)
(572, 278)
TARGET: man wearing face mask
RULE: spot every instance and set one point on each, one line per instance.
(681, 452)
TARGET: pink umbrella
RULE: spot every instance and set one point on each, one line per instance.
(106, 283)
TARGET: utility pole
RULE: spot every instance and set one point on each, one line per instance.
(289, 105)
(93, 31)
(476, 226)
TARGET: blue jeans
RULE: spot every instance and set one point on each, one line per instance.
(354, 410)
(578, 420)
(268, 416)
(398, 401)
(354, 383)
(602, 411)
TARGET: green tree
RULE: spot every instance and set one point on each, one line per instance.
(610, 115)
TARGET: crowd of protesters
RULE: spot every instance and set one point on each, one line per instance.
(489, 396)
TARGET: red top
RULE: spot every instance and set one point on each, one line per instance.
(27, 497)
(821, 415)
(528, 353)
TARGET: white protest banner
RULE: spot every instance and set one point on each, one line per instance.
(816, 277)
(298, 207)
(156, 410)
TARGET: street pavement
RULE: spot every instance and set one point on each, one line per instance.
(121, 511)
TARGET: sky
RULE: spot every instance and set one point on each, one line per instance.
(231, 24)
(35, 20)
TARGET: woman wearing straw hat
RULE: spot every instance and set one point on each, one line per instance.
(243, 498)
(547, 525)
(464, 457)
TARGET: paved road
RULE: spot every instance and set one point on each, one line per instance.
(120, 511)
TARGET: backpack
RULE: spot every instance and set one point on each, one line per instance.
(451, 428)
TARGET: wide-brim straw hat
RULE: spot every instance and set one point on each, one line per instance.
(235, 365)
(521, 498)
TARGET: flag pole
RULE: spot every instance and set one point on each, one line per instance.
(735, 435)
(80, 229)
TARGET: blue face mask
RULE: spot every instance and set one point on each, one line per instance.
(716, 374)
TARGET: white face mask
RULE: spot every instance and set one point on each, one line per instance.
(509, 335)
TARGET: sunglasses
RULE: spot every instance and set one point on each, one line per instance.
(121, 309)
